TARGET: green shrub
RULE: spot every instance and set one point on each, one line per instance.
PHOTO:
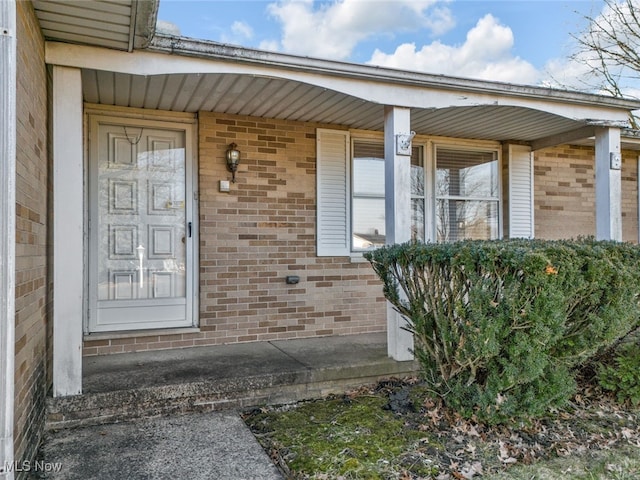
(622, 375)
(602, 297)
(499, 325)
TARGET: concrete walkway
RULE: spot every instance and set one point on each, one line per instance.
(173, 414)
(201, 446)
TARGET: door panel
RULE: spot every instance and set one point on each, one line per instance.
(139, 248)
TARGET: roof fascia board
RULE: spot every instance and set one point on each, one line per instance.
(632, 135)
(405, 92)
(208, 49)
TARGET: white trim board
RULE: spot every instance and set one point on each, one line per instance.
(68, 231)
(8, 123)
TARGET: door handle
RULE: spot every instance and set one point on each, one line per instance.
(140, 250)
(189, 229)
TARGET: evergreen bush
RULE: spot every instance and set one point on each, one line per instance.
(621, 374)
(500, 325)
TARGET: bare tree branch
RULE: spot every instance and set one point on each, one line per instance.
(610, 49)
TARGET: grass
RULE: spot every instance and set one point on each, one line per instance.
(393, 430)
(339, 437)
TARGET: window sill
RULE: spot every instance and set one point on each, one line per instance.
(358, 257)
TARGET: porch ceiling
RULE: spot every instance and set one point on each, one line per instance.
(294, 100)
(117, 24)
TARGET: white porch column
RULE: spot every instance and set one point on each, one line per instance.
(68, 253)
(8, 124)
(608, 184)
(397, 216)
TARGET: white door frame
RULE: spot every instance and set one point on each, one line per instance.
(135, 118)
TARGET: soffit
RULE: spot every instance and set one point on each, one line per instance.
(292, 100)
(117, 24)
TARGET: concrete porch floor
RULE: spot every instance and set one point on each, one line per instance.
(145, 384)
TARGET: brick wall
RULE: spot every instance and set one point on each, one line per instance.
(565, 193)
(32, 282)
(254, 236)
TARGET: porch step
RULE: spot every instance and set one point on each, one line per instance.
(128, 386)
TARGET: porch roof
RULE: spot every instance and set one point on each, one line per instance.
(123, 25)
(189, 75)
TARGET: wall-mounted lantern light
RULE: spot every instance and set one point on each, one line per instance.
(233, 159)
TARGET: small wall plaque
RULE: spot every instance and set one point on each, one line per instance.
(616, 161)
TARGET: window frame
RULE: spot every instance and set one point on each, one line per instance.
(335, 178)
(354, 140)
(421, 147)
(426, 204)
(433, 169)
(428, 154)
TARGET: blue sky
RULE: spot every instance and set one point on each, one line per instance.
(516, 41)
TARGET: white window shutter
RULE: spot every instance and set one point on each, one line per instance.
(521, 219)
(332, 149)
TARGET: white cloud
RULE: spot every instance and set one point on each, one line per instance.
(332, 30)
(242, 29)
(486, 54)
(168, 28)
(569, 74)
(269, 45)
(241, 32)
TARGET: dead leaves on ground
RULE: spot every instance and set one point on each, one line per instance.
(462, 449)
(594, 422)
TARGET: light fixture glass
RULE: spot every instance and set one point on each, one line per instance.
(233, 159)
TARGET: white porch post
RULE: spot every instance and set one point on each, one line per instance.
(68, 196)
(8, 123)
(397, 121)
(608, 184)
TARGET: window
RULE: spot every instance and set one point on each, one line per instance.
(455, 193)
(467, 194)
(367, 218)
(368, 204)
(418, 195)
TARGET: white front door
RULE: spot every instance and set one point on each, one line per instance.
(140, 225)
